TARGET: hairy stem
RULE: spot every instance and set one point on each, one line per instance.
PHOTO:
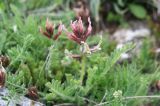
(83, 65)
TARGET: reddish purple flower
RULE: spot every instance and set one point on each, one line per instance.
(79, 35)
(49, 32)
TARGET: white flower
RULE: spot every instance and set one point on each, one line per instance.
(117, 94)
(15, 28)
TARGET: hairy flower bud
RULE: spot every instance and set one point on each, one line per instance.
(158, 85)
(5, 60)
(2, 75)
(33, 93)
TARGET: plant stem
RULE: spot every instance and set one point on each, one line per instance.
(132, 97)
(65, 104)
(83, 65)
(47, 63)
(48, 60)
(141, 97)
(88, 100)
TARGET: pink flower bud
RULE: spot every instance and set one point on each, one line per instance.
(49, 27)
(89, 29)
(60, 28)
(45, 33)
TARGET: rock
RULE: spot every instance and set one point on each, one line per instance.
(17, 100)
(127, 35)
(135, 34)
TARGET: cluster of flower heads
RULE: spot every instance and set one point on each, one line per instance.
(79, 34)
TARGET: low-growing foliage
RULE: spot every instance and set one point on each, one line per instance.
(64, 72)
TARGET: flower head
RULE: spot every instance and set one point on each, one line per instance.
(49, 30)
(79, 35)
